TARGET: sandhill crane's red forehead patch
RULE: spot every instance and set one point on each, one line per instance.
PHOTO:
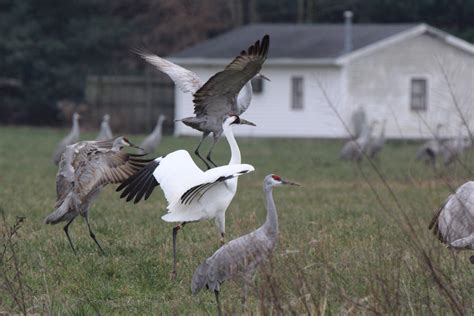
(277, 178)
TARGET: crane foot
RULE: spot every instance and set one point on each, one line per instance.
(173, 275)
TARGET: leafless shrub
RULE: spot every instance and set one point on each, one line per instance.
(10, 268)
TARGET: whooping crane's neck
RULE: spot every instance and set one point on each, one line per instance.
(234, 148)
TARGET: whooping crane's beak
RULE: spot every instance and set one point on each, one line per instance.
(242, 121)
(283, 181)
(263, 77)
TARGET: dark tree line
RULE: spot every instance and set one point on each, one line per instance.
(50, 46)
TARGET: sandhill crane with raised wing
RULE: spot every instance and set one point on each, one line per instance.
(192, 194)
(240, 257)
(71, 138)
(85, 168)
(105, 132)
(375, 145)
(152, 141)
(227, 92)
(454, 221)
(429, 150)
(354, 149)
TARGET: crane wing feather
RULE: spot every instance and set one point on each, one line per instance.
(454, 221)
(185, 80)
(99, 166)
(218, 95)
(239, 257)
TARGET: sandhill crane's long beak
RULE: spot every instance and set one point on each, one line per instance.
(135, 146)
(242, 121)
(263, 77)
(283, 181)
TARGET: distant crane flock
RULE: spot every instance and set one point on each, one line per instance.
(194, 195)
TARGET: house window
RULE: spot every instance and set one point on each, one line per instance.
(297, 93)
(418, 95)
(257, 85)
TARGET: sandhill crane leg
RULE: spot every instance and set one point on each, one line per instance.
(91, 233)
(66, 230)
(222, 239)
(219, 310)
(204, 135)
(214, 142)
(471, 258)
(175, 233)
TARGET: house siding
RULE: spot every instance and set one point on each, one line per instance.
(381, 83)
(272, 111)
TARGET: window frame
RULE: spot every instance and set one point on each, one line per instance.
(296, 101)
(411, 94)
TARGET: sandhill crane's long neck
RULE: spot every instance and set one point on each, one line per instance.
(271, 223)
(75, 126)
(234, 148)
(158, 127)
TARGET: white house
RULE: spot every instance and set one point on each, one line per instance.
(413, 75)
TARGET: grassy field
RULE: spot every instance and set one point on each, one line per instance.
(347, 244)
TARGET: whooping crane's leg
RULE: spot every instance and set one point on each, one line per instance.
(214, 142)
(204, 135)
(175, 233)
(219, 311)
(66, 230)
(91, 233)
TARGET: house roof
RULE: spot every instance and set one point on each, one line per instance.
(302, 43)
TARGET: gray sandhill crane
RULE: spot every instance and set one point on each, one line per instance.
(354, 149)
(227, 92)
(454, 221)
(453, 148)
(71, 138)
(105, 132)
(429, 150)
(85, 168)
(192, 194)
(376, 144)
(240, 257)
(152, 141)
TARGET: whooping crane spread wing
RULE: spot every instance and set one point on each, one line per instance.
(221, 90)
(185, 80)
(182, 182)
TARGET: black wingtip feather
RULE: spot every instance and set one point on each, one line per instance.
(136, 186)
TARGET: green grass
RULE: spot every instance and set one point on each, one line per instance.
(342, 248)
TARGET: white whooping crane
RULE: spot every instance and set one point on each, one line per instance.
(192, 194)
